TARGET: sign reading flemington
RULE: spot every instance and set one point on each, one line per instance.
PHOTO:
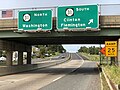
(77, 17)
(35, 20)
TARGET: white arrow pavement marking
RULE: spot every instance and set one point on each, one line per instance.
(90, 21)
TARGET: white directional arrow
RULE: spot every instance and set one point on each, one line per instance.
(90, 21)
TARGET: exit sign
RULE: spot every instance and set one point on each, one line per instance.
(78, 17)
(35, 20)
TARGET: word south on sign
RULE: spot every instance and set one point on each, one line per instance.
(77, 17)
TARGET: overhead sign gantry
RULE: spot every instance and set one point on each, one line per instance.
(78, 17)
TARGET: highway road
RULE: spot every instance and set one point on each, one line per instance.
(38, 60)
(75, 74)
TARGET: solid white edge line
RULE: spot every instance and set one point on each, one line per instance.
(80, 57)
(57, 78)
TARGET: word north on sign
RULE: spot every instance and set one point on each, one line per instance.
(78, 17)
(35, 20)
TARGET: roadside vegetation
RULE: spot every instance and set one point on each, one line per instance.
(104, 83)
(48, 50)
(90, 57)
(90, 53)
(113, 72)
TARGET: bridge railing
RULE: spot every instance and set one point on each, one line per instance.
(109, 16)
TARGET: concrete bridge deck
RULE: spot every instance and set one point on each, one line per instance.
(109, 30)
(111, 21)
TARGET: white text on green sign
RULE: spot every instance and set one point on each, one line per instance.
(35, 20)
(79, 17)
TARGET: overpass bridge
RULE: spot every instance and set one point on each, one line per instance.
(109, 25)
(109, 30)
(13, 40)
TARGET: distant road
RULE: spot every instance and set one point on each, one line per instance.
(37, 60)
(66, 76)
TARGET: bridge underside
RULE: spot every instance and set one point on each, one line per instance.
(109, 30)
(64, 40)
(83, 37)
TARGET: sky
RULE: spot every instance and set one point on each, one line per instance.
(73, 48)
(4, 4)
(11, 4)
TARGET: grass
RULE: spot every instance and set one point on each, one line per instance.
(104, 83)
(113, 73)
(91, 57)
(56, 54)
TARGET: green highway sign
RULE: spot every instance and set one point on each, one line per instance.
(77, 17)
(35, 20)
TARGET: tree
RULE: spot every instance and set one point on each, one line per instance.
(91, 50)
(50, 49)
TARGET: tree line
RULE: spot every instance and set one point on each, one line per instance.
(49, 50)
(90, 50)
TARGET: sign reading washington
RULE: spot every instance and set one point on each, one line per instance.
(77, 17)
(35, 20)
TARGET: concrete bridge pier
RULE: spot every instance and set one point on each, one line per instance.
(118, 52)
(11, 46)
(29, 49)
(28, 57)
(20, 58)
(9, 58)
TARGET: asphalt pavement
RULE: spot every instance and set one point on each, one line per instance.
(38, 60)
(75, 74)
(84, 78)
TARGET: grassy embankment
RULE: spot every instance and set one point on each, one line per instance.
(113, 73)
(90, 57)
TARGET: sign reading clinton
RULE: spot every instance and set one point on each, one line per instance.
(78, 17)
(35, 20)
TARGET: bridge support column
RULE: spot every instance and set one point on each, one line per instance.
(118, 52)
(28, 57)
(9, 56)
(20, 58)
(29, 49)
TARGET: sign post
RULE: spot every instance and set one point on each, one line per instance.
(77, 17)
(35, 20)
